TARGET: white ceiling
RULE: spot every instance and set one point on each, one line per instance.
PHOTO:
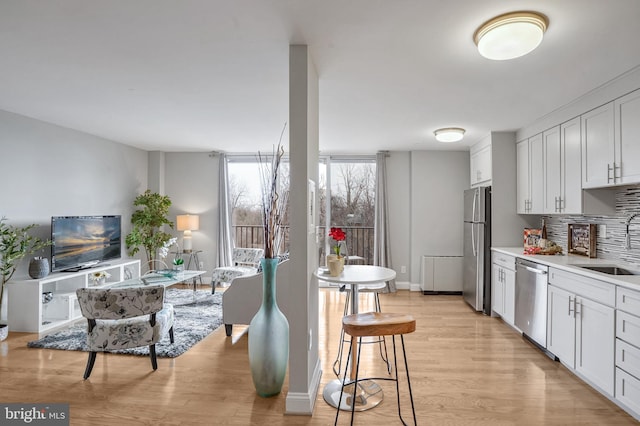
(202, 75)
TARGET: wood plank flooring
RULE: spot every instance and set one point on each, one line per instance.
(466, 369)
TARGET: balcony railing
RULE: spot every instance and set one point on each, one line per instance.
(359, 240)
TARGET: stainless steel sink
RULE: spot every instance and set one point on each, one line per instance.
(610, 270)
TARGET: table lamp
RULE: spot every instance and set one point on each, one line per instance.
(187, 223)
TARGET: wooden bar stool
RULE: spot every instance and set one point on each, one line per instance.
(371, 324)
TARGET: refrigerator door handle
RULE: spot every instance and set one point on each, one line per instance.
(473, 211)
(473, 239)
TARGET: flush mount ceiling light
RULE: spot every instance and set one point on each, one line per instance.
(449, 134)
(510, 35)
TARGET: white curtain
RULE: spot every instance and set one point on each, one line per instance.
(225, 234)
(381, 247)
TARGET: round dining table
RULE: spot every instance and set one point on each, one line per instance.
(369, 394)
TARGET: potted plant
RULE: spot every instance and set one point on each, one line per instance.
(15, 244)
(147, 222)
(178, 264)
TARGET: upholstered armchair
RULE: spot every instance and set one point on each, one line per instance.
(242, 299)
(125, 318)
(245, 262)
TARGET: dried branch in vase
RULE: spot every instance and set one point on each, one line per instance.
(275, 196)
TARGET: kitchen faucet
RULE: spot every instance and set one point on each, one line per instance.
(628, 237)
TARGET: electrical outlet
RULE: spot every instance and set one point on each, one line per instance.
(403, 269)
(201, 265)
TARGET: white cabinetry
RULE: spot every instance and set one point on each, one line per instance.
(610, 148)
(562, 179)
(628, 348)
(442, 274)
(627, 129)
(503, 297)
(480, 161)
(529, 178)
(598, 154)
(27, 312)
(580, 326)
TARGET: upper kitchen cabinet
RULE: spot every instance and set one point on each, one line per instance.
(562, 179)
(529, 177)
(627, 133)
(480, 162)
(610, 150)
(598, 153)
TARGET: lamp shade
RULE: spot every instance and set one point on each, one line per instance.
(188, 222)
(449, 134)
(510, 35)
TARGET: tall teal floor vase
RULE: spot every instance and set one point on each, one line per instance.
(268, 337)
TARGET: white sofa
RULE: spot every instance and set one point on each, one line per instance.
(242, 299)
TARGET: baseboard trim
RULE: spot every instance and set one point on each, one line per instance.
(302, 403)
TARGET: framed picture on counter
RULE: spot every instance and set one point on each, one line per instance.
(581, 239)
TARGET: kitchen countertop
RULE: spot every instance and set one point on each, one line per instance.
(568, 262)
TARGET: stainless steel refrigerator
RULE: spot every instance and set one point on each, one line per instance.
(476, 287)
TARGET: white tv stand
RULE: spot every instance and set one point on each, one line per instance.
(27, 313)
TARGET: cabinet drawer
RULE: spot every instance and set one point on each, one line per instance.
(628, 300)
(504, 260)
(628, 358)
(596, 290)
(628, 328)
(628, 390)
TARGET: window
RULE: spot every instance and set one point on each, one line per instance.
(350, 206)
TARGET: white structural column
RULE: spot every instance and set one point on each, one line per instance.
(304, 363)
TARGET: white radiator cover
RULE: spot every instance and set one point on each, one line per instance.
(441, 274)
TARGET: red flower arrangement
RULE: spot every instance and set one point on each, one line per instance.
(338, 235)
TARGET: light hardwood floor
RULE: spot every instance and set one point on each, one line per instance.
(466, 369)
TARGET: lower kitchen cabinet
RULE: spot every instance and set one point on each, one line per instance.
(503, 288)
(628, 348)
(581, 331)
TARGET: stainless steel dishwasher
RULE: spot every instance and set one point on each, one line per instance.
(531, 300)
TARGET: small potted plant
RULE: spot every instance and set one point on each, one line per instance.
(178, 264)
(99, 277)
(335, 261)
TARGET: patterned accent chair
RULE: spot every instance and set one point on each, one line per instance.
(245, 262)
(125, 318)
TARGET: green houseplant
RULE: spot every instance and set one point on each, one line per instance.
(15, 244)
(147, 222)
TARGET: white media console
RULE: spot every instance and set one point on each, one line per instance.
(26, 311)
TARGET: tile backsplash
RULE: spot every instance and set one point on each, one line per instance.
(612, 245)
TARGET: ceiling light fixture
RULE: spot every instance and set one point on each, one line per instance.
(510, 35)
(449, 134)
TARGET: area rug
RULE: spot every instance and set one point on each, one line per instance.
(197, 314)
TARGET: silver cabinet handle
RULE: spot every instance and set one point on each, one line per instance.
(578, 313)
(609, 169)
(571, 301)
(617, 175)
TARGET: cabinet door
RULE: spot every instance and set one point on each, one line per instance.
(595, 343)
(497, 291)
(598, 152)
(481, 166)
(552, 169)
(509, 296)
(536, 174)
(570, 177)
(561, 329)
(627, 129)
(522, 177)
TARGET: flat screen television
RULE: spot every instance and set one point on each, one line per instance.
(80, 242)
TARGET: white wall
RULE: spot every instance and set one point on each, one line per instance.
(438, 179)
(47, 170)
